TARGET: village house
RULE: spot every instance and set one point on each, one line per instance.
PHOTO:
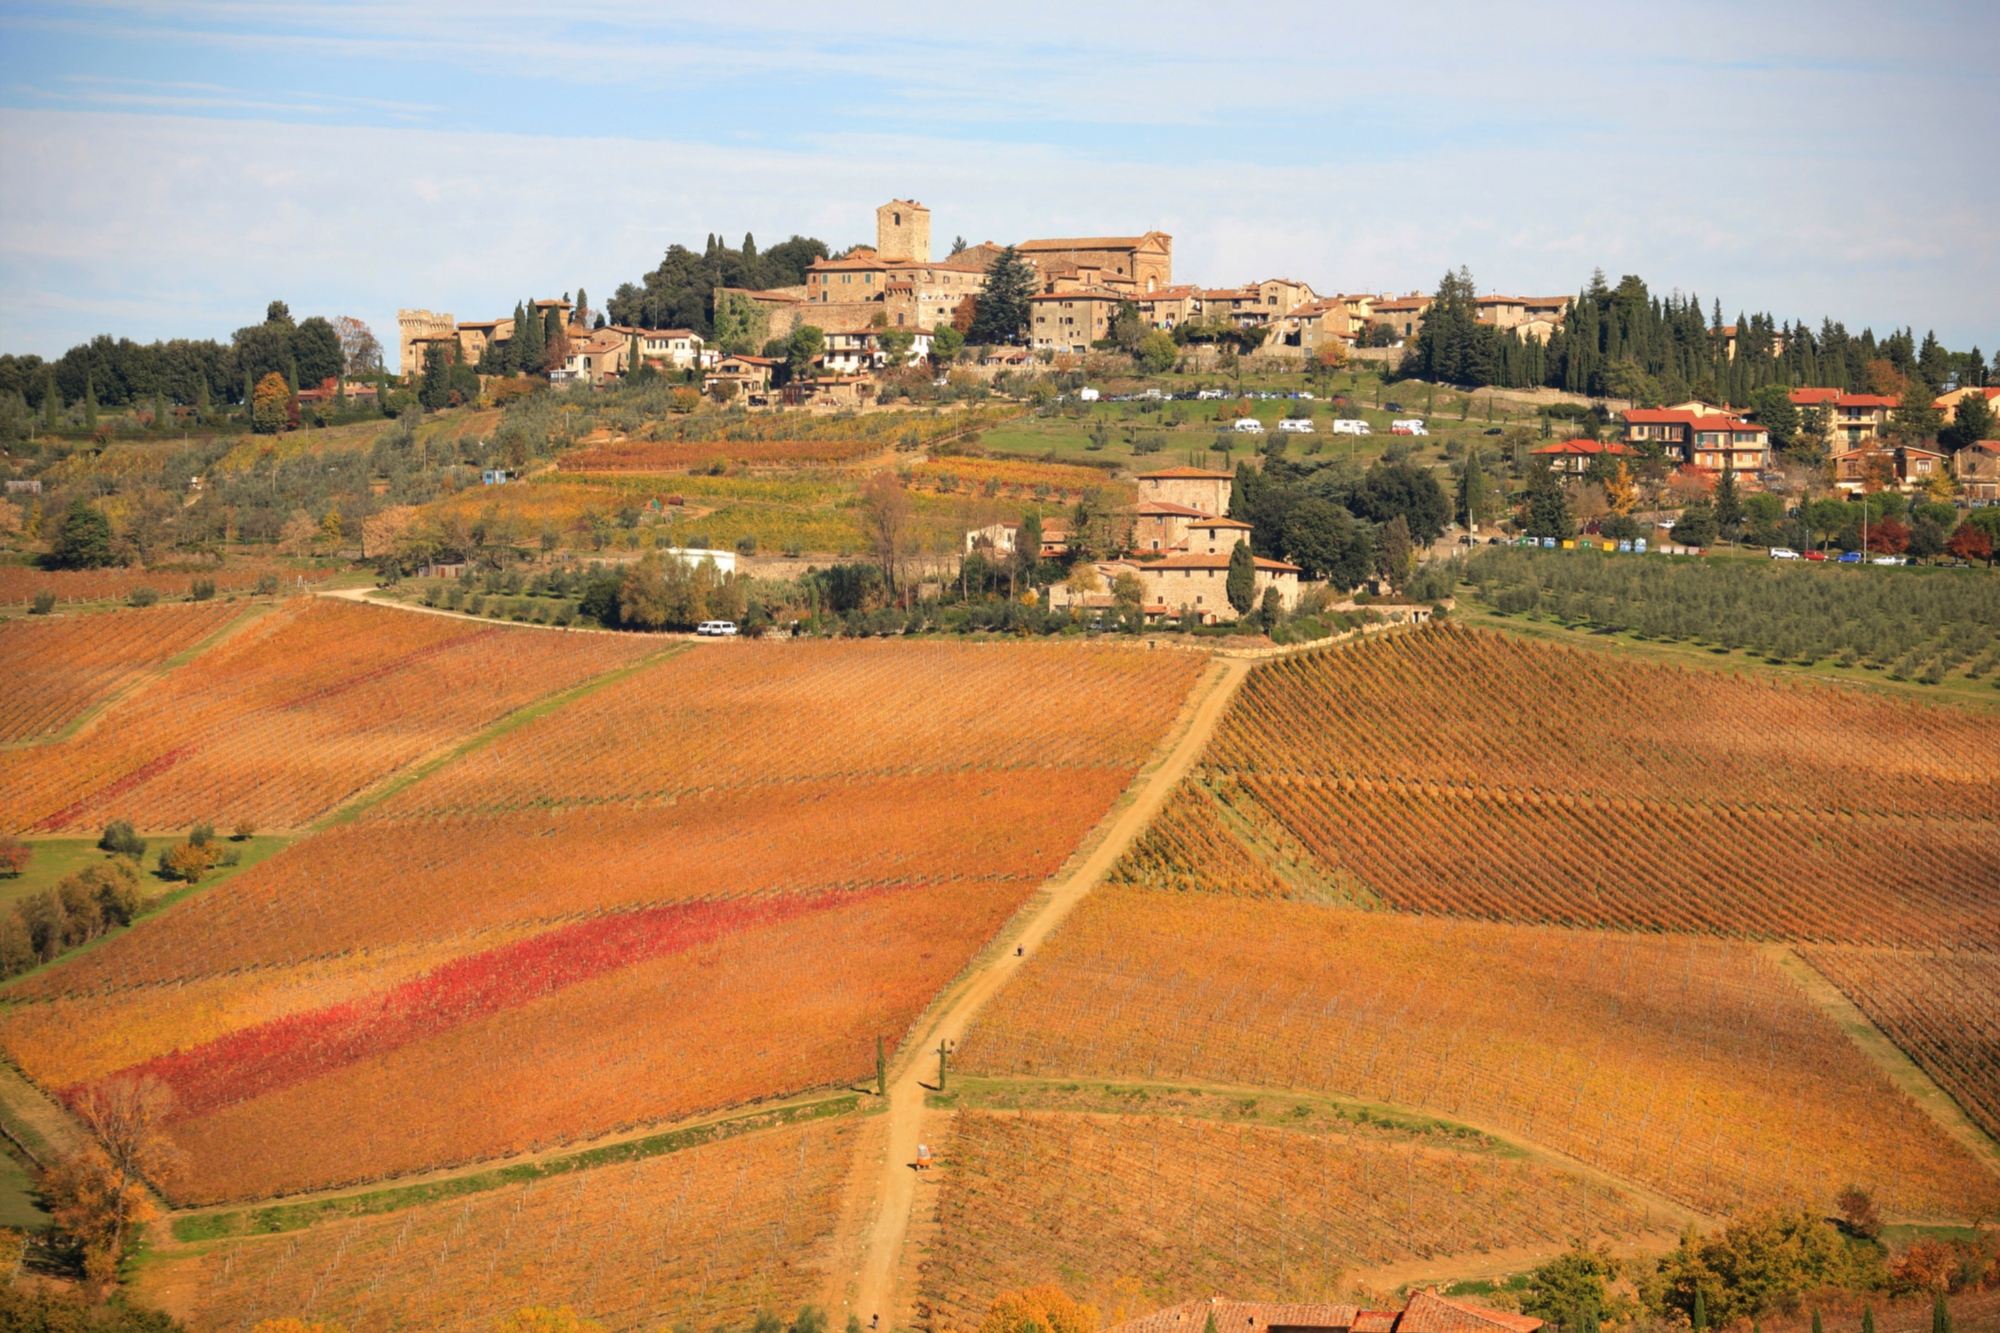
(1977, 467)
(1856, 418)
(1198, 489)
(1948, 403)
(1670, 428)
(1916, 465)
(599, 357)
(856, 351)
(1523, 316)
(1876, 464)
(1071, 321)
(750, 374)
(678, 348)
(1317, 323)
(1730, 444)
(1574, 456)
(1158, 525)
(1169, 308)
(1403, 315)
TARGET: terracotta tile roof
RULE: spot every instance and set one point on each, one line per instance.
(1374, 1321)
(1162, 509)
(1414, 304)
(1207, 522)
(1239, 1316)
(1658, 416)
(1185, 474)
(1579, 446)
(1428, 1312)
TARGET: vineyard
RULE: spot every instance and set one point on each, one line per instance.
(1476, 774)
(713, 1234)
(679, 455)
(1027, 1197)
(59, 668)
(292, 716)
(1689, 1065)
(650, 903)
(1941, 1006)
(19, 583)
(1913, 626)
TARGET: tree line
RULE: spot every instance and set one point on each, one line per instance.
(1626, 342)
(119, 372)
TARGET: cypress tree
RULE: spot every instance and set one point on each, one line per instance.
(1241, 585)
(89, 403)
(1940, 1314)
(528, 340)
(1816, 1328)
(1699, 1318)
(1867, 1319)
(52, 404)
(292, 375)
(881, 1069)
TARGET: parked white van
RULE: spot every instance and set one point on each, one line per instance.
(1249, 426)
(1409, 426)
(1346, 426)
(1296, 426)
(719, 627)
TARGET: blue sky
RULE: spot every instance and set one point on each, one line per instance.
(167, 169)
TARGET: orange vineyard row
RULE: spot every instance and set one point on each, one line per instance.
(294, 715)
(57, 669)
(1941, 1006)
(1258, 1212)
(19, 584)
(732, 782)
(711, 1234)
(1689, 1065)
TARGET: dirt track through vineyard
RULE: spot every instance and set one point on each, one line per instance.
(868, 1266)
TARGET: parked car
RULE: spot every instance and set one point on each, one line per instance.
(716, 627)
(1783, 553)
(1295, 426)
(1490, 430)
(1393, 407)
(1815, 555)
(1850, 557)
(1889, 560)
(1248, 426)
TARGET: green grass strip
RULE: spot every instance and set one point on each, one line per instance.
(298, 1216)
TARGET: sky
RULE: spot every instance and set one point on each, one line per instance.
(167, 169)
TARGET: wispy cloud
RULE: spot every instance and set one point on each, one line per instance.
(1804, 158)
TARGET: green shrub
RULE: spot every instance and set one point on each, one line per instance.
(201, 590)
(142, 596)
(120, 837)
(45, 602)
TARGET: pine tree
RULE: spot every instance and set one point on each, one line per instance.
(1001, 312)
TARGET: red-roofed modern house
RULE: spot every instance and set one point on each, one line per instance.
(1948, 403)
(1575, 455)
(1671, 429)
(1853, 417)
(1729, 443)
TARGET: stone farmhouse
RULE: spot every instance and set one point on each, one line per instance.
(1130, 263)
(1180, 550)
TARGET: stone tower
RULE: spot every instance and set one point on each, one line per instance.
(903, 232)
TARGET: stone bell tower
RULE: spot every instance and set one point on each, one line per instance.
(903, 232)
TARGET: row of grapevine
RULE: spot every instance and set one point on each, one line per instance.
(56, 669)
(19, 583)
(1942, 1006)
(1022, 1196)
(294, 715)
(710, 1234)
(717, 879)
(1690, 1065)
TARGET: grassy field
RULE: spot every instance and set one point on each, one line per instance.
(56, 858)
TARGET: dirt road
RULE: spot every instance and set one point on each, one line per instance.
(870, 1264)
